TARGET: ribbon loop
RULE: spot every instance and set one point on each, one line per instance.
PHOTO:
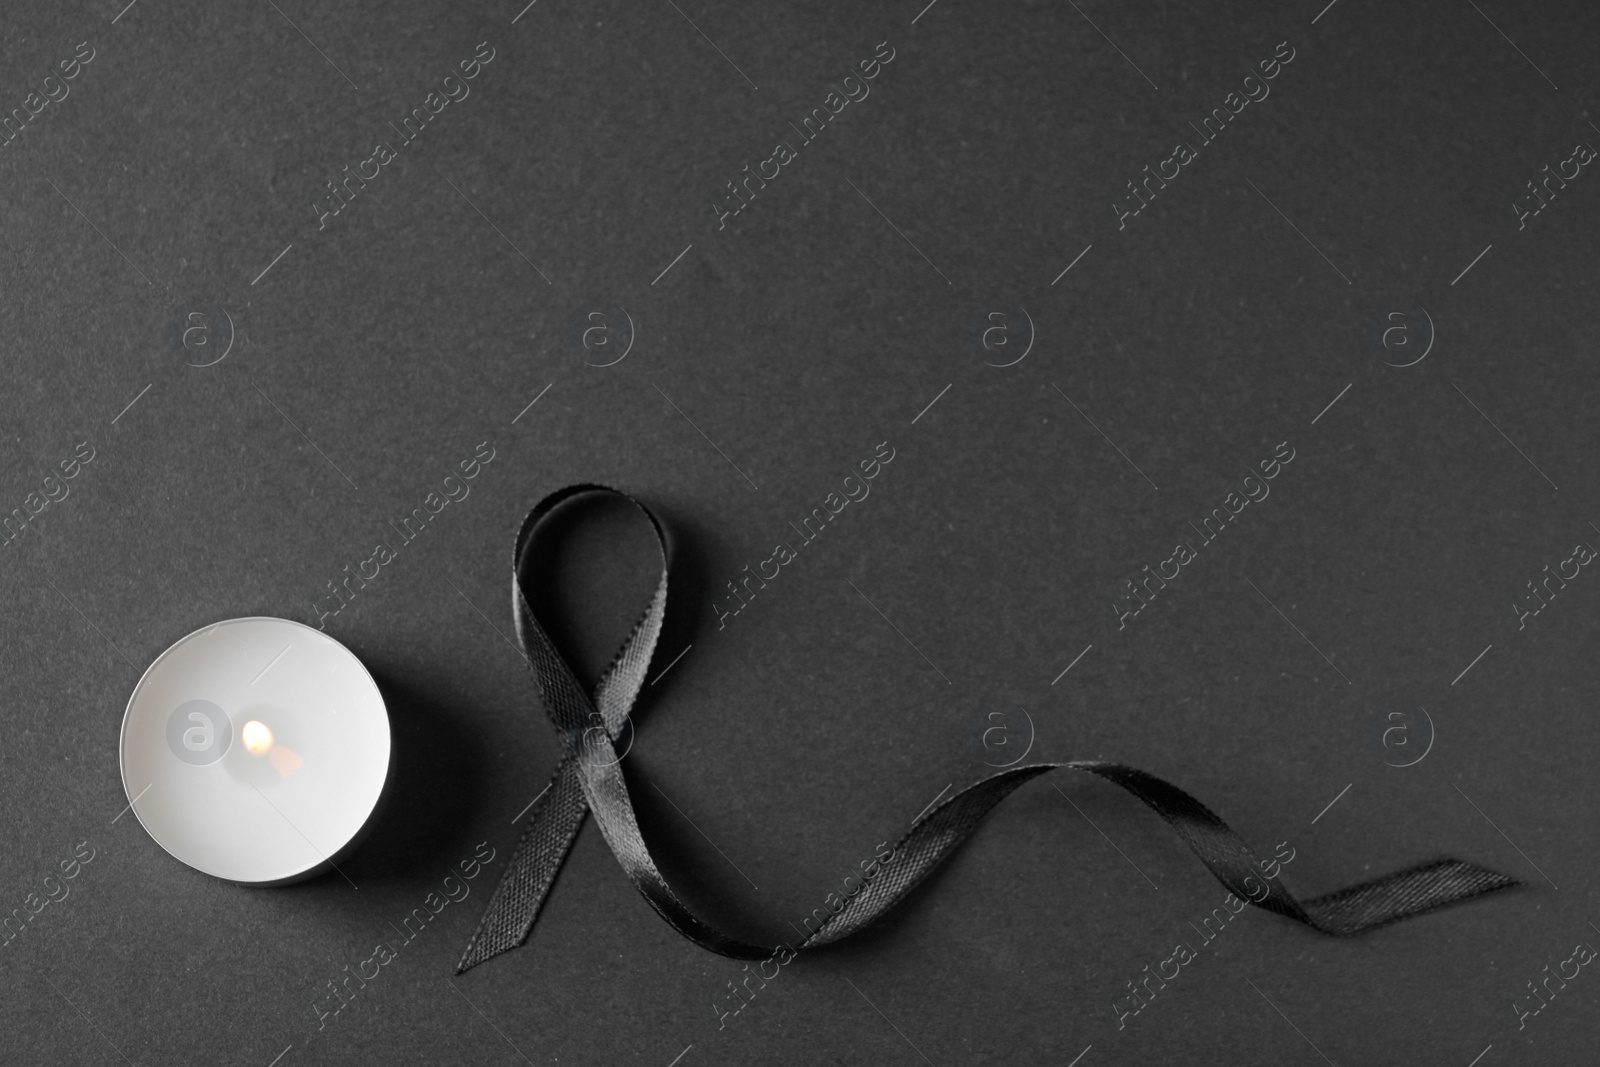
(589, 778)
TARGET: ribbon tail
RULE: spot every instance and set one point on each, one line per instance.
(940, 832)
(552, 828)
(1394, 897)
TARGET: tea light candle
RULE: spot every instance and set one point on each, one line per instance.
(255, 750)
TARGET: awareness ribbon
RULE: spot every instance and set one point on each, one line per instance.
(589, 779)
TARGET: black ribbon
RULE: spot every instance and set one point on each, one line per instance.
(589, 779)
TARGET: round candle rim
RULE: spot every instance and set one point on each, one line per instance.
(362, 827)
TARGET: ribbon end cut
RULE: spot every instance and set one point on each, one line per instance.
(468, 960)
(477, 953)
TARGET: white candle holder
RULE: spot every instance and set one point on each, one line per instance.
(255, 750)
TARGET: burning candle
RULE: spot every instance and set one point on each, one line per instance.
(255, 750)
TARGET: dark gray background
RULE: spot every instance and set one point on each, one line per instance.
(798, 338)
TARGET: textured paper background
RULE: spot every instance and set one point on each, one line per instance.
(370, 356)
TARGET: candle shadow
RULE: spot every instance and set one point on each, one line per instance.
(436, 764)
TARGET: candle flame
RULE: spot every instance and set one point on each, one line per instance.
(256, 737)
